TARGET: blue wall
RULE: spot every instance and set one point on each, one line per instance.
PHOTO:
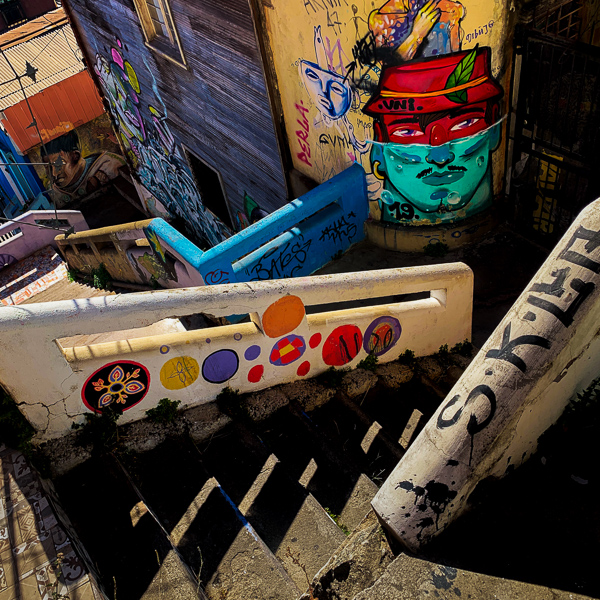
(295, 240)
(24, 177)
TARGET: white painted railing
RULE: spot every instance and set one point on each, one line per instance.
(55, 381)
(545, 350)
(20, 237)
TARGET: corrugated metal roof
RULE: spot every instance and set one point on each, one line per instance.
(33, 28)
(58, 109)
(54, 53)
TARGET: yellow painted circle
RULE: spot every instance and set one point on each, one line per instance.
(179, 372)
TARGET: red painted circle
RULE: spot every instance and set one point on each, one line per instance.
(255, 373)
(342, 345)
(315, 340)
(303, 369)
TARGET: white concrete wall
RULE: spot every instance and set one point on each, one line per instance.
(33, 238)
(50, 382)
(545, 350)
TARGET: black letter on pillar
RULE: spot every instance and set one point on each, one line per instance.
(505, 352)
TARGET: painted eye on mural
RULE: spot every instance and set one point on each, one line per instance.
(407, 132)
(338, 88)
(465, 124)
(312, 75)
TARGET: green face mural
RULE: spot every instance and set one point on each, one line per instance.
(436, 128)
(434, 182)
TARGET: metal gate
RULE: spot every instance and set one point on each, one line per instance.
(554, 133)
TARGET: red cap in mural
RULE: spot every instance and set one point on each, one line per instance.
(435, 84)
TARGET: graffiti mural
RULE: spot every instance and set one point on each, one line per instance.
(436, 125)
(76, 174)
(407, 88)
(151, 149)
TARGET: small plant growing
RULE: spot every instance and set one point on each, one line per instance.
(463, 348)
(437, 249)
(336, 520)
(15, 429)
(332, 378)
(369, 363)
(100, 430)
(100, 277)
(407, 358)
(52, 587)
(164, 412)
(72, 275)
(443, 352)
(228, 395)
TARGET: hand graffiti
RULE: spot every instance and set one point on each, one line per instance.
(374, 187)
(425, 20)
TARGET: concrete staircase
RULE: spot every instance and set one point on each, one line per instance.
(245, 512)
(41, 277)
(67, 290)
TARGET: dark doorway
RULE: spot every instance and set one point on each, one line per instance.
(210, 185)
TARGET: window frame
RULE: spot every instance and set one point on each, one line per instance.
(167, 46)
(187, 153)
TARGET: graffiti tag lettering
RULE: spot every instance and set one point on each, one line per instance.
(302, 134)
(339, 230)
(281, 262)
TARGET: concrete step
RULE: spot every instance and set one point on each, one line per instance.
(214, 538)
(290, 520)
(356, 565)
(134, 557)
(66, 290)
(318, 464)
(410, 578)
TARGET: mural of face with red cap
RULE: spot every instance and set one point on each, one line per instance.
(436, 125)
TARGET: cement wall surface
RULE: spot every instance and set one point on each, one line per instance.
(545, 350)
(280, 344)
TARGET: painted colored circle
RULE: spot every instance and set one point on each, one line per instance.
(342, 345)
(237, 337)
(220, 366)
(287, 350)
(303, 369)
(179, 372)
(252, 353)
(283, 316)
(382, 335)
(208, 340)
(123, 383)
(315, 340)
(164, 349)
(255, 373)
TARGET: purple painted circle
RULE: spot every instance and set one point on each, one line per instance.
(252, 353)
(237, 337)
(382, 335)
(220, 366)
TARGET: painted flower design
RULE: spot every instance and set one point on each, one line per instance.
(118, 387)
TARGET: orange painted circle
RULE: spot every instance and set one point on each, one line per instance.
(283, 316)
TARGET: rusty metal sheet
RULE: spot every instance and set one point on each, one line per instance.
(57, 110)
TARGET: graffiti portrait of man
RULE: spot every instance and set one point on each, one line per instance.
(436, 126)
(75, 175)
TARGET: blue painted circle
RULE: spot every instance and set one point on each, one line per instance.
(252, 353)
(220, 366)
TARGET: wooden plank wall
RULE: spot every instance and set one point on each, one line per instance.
(218, 107)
